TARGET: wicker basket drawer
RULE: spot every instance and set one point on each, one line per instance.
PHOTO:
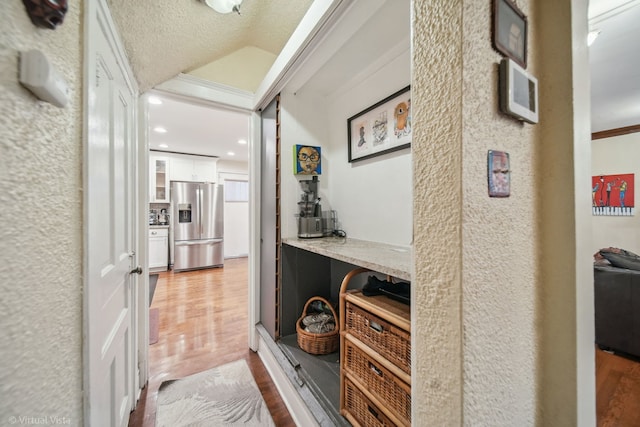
(361, 408)
(391, 391)
(391, 342)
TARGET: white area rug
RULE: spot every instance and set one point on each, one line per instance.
(222, 396)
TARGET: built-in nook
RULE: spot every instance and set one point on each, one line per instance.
(369, 200)
(318, 267)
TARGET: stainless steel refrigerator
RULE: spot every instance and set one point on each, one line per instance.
(198, 226)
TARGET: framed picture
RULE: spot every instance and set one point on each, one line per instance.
(498, 173)
(307, 160)
(613, 195)
(510, 31)
(382, 128)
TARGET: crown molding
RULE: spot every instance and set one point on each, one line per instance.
(615, 132)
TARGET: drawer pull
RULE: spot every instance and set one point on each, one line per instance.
(375, 370)
(376, 326)
(373, 412)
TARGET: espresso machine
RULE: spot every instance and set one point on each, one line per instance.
(309, 210)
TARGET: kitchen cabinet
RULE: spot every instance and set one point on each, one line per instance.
(158, 249)
(193, 168)
(158, 179)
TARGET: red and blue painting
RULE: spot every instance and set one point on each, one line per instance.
(613, 195)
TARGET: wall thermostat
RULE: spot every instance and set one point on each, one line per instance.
(38, 75)
(518, 92)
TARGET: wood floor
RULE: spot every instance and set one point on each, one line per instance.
(617, 391)
(203, 324)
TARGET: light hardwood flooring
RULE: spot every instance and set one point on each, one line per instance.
(203, 324)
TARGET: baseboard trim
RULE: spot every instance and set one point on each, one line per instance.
(296, 406)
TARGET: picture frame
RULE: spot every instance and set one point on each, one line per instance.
(382, 128)
(307, 160)
(613, 195)
(510, 31)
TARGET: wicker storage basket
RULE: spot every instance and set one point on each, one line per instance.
(393, 343)
(318, 343)
(359, 407)
(391, 391)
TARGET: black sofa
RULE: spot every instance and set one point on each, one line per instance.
(617, 310)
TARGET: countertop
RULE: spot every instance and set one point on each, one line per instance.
(158, 226)
(381, 257)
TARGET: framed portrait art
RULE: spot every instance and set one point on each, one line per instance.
(307, 160)
(510, 31)
(382, 128)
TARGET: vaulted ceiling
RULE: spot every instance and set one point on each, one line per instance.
(164, 38)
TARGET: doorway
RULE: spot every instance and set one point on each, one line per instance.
(204, 142)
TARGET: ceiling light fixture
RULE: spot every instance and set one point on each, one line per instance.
(159, 129)
(163, 146)
(224, 6)
(242, 141)
(592, 36)
(231, 153)
(155, 100)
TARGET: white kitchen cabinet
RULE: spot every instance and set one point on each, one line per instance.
(158, 249)
(158, 179)
(193, 168)
(204, 170)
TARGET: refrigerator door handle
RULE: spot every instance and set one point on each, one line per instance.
(199, 197)
(198, 242)
(201, 200)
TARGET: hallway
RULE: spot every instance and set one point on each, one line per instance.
(203, 324)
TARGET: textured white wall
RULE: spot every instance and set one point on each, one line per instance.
(436, 331)
(40, 227)
(499, 242)
(612, 156)
(494, 323)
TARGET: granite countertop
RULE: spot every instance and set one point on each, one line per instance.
(381, 257)
(158, 226)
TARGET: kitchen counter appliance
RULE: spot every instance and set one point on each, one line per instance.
(198, 226)
(309, 210)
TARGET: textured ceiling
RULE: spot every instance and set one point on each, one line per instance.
(164, 38)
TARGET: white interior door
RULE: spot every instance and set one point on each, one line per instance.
(110, 228)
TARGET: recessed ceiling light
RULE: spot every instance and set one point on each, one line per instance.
(231, 153)
(242, 141)
(155, 100)
(160, 129)
(163, 146)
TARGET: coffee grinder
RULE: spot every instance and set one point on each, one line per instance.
(309, 210)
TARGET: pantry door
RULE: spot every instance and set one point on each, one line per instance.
(110, 268)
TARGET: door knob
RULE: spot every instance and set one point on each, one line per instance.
(137, 270)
